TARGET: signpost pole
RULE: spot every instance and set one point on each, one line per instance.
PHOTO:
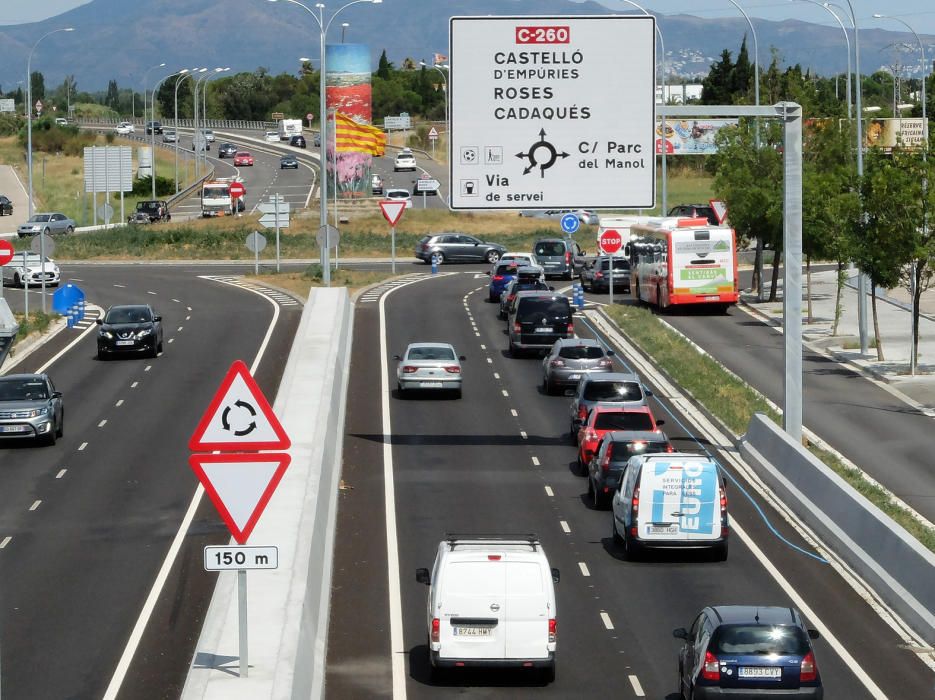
(611, 272)
(277, 232)
(242, 613)
(256, 255)
(393, 246)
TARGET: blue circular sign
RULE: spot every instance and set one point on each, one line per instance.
(570, 223)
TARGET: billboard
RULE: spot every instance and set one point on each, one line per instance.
(888, 133)
(7, 105)
(348, 91)
(690, 137)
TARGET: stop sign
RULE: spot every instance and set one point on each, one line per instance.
(611, 241)
(6, 252)
(238, 190)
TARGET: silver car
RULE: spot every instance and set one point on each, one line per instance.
(430, 366)
(613, 387)
(30, 407)
(169, 136)
(47, 223)
(571, 359)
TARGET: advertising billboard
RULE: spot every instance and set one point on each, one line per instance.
(690, 137)
(888, 133)
(348, 91)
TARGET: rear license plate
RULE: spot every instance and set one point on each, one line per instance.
(662, 529)
(458, 631)
(772, 673)
(430, 385)
(126, 342)
(14, 429)
(712, 297)
(574, 376)
(543, 330)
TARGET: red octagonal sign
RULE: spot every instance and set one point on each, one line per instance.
(238, 190)
(6, 252)
(611, 241)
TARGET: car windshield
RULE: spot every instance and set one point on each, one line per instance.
(216, 192)
(760, 640)
(41, 217)
(23, 390)
(508, 269)
(431, 353)
(147, 206)
(550, 249)
(581, 352)
(623, 420)
(613, 391)
(242, 154)
(549, 307)
(618, 264)
(129, 315)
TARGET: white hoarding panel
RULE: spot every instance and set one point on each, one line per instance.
(552, 112)
(108, 169)
(7, 105)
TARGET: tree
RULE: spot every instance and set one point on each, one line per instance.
(716, 86)
(741, 76)
(384, 67)
(112, 98)
(37, 84)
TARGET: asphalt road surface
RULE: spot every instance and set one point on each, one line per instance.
(500, 460)
(86, 525)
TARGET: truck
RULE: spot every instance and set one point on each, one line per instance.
(289, 128)
(216, 197)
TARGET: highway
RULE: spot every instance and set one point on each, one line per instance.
(85, 526)
(500, 460)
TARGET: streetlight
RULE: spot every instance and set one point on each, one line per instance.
(145, 75)
(29, 155)
(194, 120)
(756, 74)
(152, 167)
(662, 110)
(204, 110)
(184, 73)
(922, 63)
(322, 108)
(445, 78)
(847, 40)
(344, 26)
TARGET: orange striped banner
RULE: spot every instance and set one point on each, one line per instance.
(358, 138)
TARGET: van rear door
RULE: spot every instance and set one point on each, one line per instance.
(528, 608)
(683, 500)
(471, 609)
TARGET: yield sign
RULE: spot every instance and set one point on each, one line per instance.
(392, 210)
(240, 486)
(239, 418)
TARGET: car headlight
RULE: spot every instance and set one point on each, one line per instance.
(106, 334)
(36, 412)
(144, 332)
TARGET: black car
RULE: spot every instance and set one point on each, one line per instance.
(536, 320)
(6, 206)
(227, 150)
(611, 457)
(746, 651)
(153, 127)
(131, 329)
(595, 275)
(288, 161)
(155, 209)
(696, 211)
(298, 141)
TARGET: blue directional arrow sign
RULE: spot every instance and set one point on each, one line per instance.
(570, 223)
(69, 302)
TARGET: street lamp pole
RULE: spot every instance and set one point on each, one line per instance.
(756, 67)
(344, 26)
(847, 41)
(145, 77)
(184, 73)
(153, 130)
(29, 158)
(204, 109)
(445, 79)
(322, 109)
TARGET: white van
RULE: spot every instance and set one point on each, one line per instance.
(491, 603)
(671, 500)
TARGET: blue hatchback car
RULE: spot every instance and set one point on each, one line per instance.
(502, 274)
(739, 651)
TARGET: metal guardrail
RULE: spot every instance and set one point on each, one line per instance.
(182, 195)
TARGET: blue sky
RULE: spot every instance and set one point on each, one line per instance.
(920, 14)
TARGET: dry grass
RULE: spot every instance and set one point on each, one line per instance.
(299, 283)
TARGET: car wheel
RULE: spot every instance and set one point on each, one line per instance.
(513, 352)
(492, 256)
(573, 435)
(492, 298)
(61, 425)
(17, 281)
(70, 229)
(632, 548)
(47, 231)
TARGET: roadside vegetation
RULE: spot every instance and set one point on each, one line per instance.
(38, 322)
(734, 402)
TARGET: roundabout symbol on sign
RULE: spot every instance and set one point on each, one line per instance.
(570, 223)
(547, 155)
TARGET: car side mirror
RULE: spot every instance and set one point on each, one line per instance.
(397, 357)
(157, 318)
(99, 321)
(551, 289)
(611, 353)
(58, 395)
(680, 633)
(488, 273)
(422, 576)
(647, 391)
(556, 575)
(462, 358)
(813, 634)
(660, 422)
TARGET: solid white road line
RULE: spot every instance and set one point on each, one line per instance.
(61, 474)
(607, 621)
(5, 542)
(35, 504)
(584, 569)
(549, 492)
(123, 665)
(565, 527)
(637, 688)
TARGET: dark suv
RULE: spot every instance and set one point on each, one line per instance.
(129, 329)
(696, 211)
(155, 209)
(747, 650)
(595, 276)
(298, 141)
(559, 257)
(153, 127)
(537, 320)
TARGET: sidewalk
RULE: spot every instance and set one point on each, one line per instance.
(894, 318)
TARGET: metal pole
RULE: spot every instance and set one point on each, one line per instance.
(323, 154)
(185, 74)
(611, 280)
(393, 246)
(792, 269)
(242, 614)
(276, 201)
(756, 65)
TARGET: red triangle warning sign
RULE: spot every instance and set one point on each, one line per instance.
(239, 418)
(240, 486)
(392, 210)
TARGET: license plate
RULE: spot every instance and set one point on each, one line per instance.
(430, 385)
(574, 376)
(472, 631)
(773, 673)
(14, 429)
(543, 330)
(663, 529)
(126, 342)
(712, 297)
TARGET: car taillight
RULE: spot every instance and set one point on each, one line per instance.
(634, 511)
(436, 628)
(498, 278)
(571, 329)
(582, 413)
(517, 328)
(553, 630)
(568, 257)
(808, 671)
(453, 369)
(605, 464)
(724, 526)
(557, 363)
(598, 275)
(409, 369)
(669, 448)
(606, 362)
(711, 671)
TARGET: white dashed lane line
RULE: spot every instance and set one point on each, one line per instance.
(584, 568)
(35, 504)
(608, 623)
(483, 347)
(549, 492)
(134, 385)
(535, 461)
(148, 367)
(523, 435)
(119, 403)
(188, 318)
(566, 528)
(504, 392)
(169, 341)
(5, 542)
(82, 446)
(121, 286)
(177, 301)
(637, 688)
(61, 474)
(514, 413)
(102, 423)
(181, 327)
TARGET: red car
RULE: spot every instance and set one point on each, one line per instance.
(605, 418)
(243, 158)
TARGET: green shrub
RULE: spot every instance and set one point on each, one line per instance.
(143, 187)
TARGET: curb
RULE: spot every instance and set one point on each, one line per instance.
(32, 342)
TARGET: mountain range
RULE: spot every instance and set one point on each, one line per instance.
(120, 40)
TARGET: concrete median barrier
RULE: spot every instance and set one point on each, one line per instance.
(892, 562)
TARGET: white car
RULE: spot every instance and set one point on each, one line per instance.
(400, 196)
(25, 269)
(404, 161)
(491, 603)
(522, 259)
(124, 128)
(61, 121)
(272, 136)
(429, 366)
(209, 135)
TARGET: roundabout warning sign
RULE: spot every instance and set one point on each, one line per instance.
(552, 112)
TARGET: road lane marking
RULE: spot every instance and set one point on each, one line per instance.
(102, 423)
(565, 527)
(181, 327)
(489, 361)
(496, 375)
(608, 623)
(6, 541)
(477, 334)
(34, 505)
(148, 367)
(153, 293)
(549, 492)
(584, 568)
(513, 411)
(170, 340)
(188, 308)
(121, 286)
(535, 461)
(483, 347)
(61, 474)
(177, 301)
(82, 446)
(637, 688)
(188, 318)
(505, 392)
(134, 385)
(523, 435)
(119, 403)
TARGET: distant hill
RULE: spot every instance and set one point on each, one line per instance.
(116, 39)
